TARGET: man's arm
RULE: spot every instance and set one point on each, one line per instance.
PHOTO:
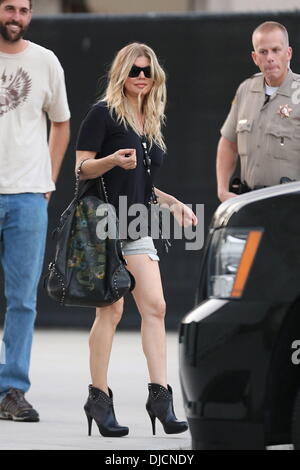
(226, 163)
(58, 142)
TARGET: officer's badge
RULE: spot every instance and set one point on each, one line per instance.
(284, 111)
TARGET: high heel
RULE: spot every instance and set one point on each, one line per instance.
(152, 418)
(90, 422)
(99, 406)
(160, 405)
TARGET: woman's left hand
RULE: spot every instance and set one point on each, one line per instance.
(183, 214)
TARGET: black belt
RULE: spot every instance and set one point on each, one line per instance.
(241, 187)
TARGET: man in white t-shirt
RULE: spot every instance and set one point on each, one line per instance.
(263, 127)
(32, 87)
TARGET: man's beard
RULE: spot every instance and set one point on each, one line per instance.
(7, 36)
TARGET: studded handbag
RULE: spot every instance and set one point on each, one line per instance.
(88, 270)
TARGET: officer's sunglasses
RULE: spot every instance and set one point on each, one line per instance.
(135, 71)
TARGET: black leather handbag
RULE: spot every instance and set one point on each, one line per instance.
(88, 271)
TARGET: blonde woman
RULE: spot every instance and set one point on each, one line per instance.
(110, 142)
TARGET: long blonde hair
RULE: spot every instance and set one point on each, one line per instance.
(153, 105)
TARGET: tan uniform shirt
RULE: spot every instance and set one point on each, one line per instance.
(268, 136)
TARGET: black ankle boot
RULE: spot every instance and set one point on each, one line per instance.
(99, 406)
(160, 405)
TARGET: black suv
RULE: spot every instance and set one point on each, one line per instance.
(240, 346)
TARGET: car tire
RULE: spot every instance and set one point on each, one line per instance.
(296, 422)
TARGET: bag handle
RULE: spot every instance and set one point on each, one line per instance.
(102, 188)
(78, 171)
(100, 182)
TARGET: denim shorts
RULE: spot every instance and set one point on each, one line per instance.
(142, 246)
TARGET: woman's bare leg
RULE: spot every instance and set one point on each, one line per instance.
(100, 341)
(149, 298)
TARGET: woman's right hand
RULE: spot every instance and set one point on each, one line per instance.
(125, 158)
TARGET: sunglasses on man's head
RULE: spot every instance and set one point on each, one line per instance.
(135, 71)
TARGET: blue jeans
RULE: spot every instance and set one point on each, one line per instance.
(23, 228)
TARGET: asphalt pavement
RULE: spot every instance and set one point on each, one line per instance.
(60, 379)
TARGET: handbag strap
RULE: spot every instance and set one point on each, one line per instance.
(78, 171)
(102, 188)
(100, 182)
(153, 200)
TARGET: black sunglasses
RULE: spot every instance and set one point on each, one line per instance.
(135, 71)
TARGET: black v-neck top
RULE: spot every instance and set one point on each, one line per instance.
(101, 133)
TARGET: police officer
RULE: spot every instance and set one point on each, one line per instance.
(263, 126)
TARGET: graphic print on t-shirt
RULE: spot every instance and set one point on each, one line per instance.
(14, 89)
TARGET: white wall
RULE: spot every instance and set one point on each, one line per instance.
(137, 6)
(141, 6)
(46, 7)
(248, 5)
